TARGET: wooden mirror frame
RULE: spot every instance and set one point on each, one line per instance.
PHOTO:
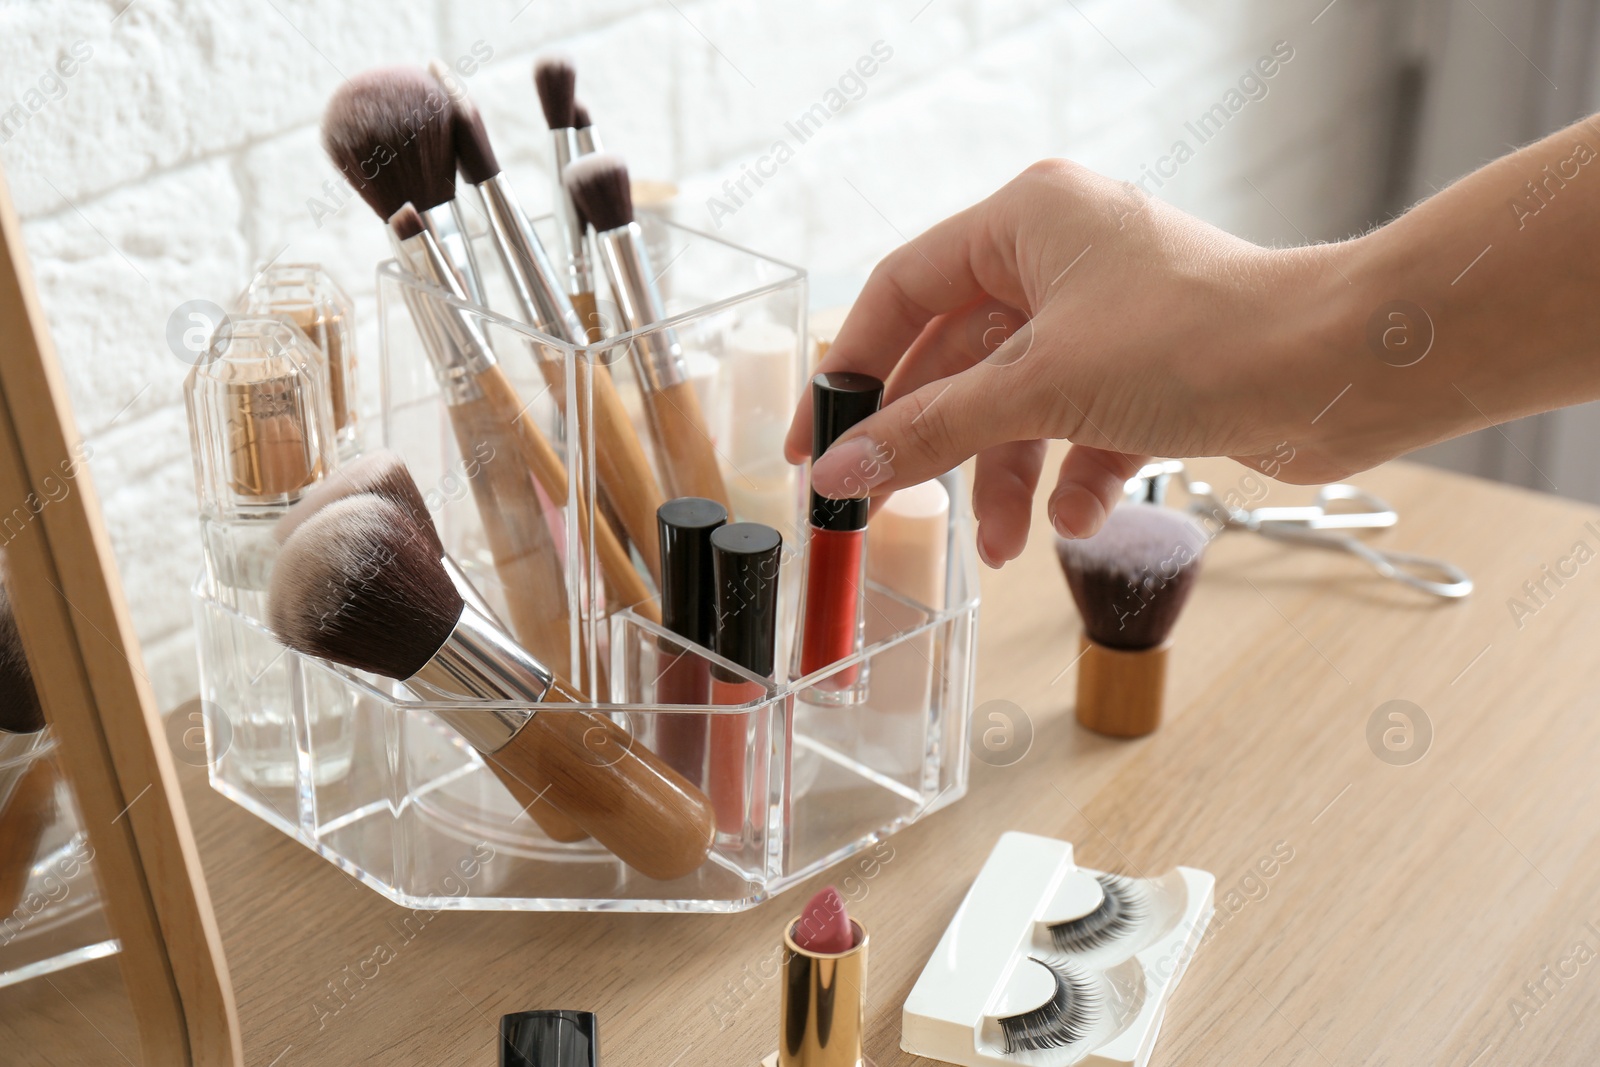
(85, 658)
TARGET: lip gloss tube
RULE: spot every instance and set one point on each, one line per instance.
(684, 527)
(745, 558)
(834, 580)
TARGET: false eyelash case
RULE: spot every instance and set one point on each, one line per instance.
(1047, 963)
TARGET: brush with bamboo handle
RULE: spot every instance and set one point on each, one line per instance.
(384, 474)
(621, 467)
(599, 184)
(359, 585)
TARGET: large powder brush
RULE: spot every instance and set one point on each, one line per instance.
(1130, 581)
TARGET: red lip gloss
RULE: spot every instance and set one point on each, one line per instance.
(744, 560)
(685, 526)
(831, 622)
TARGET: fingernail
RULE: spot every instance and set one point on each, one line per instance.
(983, 554)
(852, 468)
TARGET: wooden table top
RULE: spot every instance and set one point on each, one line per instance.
(1414, 922)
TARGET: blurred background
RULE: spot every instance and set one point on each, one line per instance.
(181, 154)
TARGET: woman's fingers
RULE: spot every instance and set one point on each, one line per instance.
(1089, 486)
(1002, 498)
(935, 274)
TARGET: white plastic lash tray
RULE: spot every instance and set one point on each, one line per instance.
(1047, 963)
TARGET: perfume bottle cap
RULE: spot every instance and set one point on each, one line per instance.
(745, 559)
(549, 1039)
(685, 526)
(839, 401)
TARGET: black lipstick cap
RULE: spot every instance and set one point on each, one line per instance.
(550, 1039)
(745, 558)
(685, 527)
(838, 402)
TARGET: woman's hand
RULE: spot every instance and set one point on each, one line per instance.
(1068, 305)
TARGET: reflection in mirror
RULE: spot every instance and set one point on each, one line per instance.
(50, 916)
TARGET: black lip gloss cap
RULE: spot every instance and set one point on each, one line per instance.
(685, 526)
(838, 402)
(550, 1039)
(745, 559)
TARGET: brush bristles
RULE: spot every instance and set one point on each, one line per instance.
(390, 132)
(599, 186)
(580, 116)
(1132, 578)
(474, 154)
(381, 473)
(360, 585)
(406, 222)
(556, 80)
(20, 711)
(441, 73)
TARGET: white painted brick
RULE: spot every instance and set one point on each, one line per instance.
(520, 28)
(744, 76)
(145, 479)
(110, 276)
(172, 80)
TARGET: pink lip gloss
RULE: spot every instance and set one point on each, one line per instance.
(745, 557)
(834, 581)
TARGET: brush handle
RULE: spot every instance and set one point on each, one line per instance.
(540, 808)
(589, 316)
(1120, 690)
(612, 786)
(622, 581)
(687, 454)
(525, 551)
(24, 818)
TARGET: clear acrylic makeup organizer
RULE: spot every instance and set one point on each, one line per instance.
(359, 771)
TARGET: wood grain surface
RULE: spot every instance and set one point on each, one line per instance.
(1417, 903)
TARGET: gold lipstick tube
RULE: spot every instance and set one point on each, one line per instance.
(821, 1004)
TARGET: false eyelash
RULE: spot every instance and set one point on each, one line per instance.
(1063, 1019)
(1120, 912)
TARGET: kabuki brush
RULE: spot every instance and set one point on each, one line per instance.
(358, 584)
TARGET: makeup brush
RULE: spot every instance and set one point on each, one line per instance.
(621, 466)
(359, 585)
(555, 79)
(28, 785)
(502, 413)
(384, 474)
(599, 183)
(388, 130)
(588, 136)
(1131, 581)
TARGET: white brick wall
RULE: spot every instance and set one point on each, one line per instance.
(182, 151)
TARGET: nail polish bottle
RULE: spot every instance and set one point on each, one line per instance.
(831, 624)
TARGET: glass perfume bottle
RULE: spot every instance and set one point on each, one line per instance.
(307, 296)
(262, 435)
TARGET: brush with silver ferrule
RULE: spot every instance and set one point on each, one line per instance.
(358, 584)
(555, 79)
(389, 131)
(599, 183)
(621, 466)
(588, 136)
(383, 474)
(544, 301)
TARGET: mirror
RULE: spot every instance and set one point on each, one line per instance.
(112, 934)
